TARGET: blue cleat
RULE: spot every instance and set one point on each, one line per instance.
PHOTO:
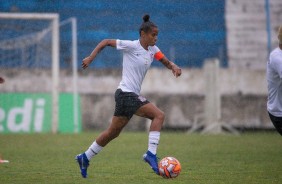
(152, 160)
(83, 164)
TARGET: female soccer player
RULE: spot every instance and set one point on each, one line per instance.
(137, 58)
(274, 81)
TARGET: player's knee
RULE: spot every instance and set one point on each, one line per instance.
(161, 116)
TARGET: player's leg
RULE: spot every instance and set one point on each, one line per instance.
(150, 111)
(119, 120)
(277, 122)
(102, 140)
(113, 131)
(153, 113)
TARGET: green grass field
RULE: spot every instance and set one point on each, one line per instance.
(213, 159)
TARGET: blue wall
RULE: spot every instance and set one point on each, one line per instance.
(195, 28)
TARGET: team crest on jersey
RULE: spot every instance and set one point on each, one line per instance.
(146, 61)
(142, 99)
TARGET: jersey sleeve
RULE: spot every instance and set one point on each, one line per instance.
(125, 44)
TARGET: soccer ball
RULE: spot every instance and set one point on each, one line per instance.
(169, 167)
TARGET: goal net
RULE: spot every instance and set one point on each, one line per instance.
(25, 50)
(30, 60)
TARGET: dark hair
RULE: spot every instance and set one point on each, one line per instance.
(147, 25)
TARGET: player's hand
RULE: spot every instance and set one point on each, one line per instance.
(176, 71)
(85, 62)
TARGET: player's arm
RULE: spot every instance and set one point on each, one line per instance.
(107, 42)
(170, 65)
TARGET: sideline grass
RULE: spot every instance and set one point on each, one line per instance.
(46, 158)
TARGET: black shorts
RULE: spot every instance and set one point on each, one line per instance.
(277, 122)
(127, 103)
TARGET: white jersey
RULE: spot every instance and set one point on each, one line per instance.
(136, 62)
(274, 82)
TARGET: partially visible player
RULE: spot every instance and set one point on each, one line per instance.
(274, 82)
(137, 58)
